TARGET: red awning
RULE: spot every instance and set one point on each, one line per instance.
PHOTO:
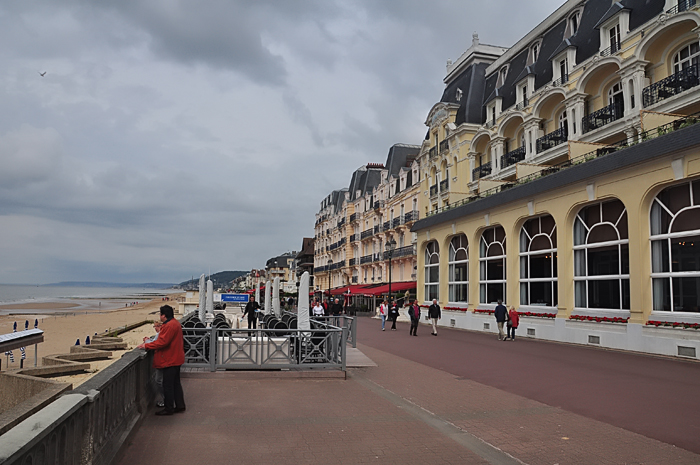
(384, 288)
(354, 289)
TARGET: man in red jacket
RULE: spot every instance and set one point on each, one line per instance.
(169, 356)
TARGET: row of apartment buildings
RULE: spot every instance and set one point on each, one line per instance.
(580, 141)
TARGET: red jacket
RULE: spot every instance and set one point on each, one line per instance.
(169, 350)
(514, 318)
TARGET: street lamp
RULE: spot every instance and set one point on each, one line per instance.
(330, 262)
(390, 246)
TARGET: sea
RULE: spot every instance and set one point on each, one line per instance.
(80, 298)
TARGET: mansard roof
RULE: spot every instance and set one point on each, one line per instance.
(400, 156)
(471, 84)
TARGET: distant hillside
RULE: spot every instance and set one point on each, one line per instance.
(220, 279)
(98, 284)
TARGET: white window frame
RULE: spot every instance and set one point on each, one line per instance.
(524, 257)
(484, 280)
(429, 296)
(452, 263)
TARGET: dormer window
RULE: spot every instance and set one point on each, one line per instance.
(534, 53)
(458, 94)
(573, 22)
(614, 35)
(502, 76)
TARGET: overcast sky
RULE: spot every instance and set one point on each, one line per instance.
(169, 138)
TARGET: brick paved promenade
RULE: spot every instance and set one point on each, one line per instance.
(459, 398)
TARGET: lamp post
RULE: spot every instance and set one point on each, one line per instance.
(390, 246)
(330, 262)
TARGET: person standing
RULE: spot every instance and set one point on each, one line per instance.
(434, 314)
(169, 356)
(513, 321)
(383, 312)
(318, 309)
(414, 313)
(158, 375)
(251, 309)
(393, 314)
(501, 314)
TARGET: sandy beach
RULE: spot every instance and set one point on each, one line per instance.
(62, 328)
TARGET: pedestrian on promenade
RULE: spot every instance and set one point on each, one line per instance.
(158, 374)
(513, 320)
(414, 313)
(501, 314)
(327, 307)
(393, 314)
(318, 309)
(434, 314)
(251, 309)
(383, 312)
(169, 356)
(336, 310)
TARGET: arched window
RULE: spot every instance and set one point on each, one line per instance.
(432, 270)
(675, 248)
(686, 57)
(538, 262)
(492, 265)
(601, 257)
(459, 269)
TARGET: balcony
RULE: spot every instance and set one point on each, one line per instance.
(407, 251)
(561, 81)
(673, 85)
(353, 217)
(366, 233)
(444, 146)
(522, 105)
(444, 185)
(490, 123)
(614, 48)
(432, 153)
(683, 5)
(352, 262)
(552, 139)
(481, 171)
(513, 157)
(600, 118)
(365, 259)
(376, 229)
(396, 222)
(354, 279)
(433, 190)
(378, 204)
(321, 269)
(386, 226)
(353, 237)
(335, 266)
(411, 216)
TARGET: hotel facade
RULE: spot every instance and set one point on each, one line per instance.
(562, 176)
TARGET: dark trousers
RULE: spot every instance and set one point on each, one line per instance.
(393, 323)
(414, 327)
(172, 389)
(252, 324)
(511, 332)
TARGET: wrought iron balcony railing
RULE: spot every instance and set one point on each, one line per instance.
(444, 185)
(683, 5)
(676, 83)
(411, 216)
(396, 221)
(353, 237)
(444, 146)
(561, 81)
(365, 259)
(600, 118)
(490, 123)
(320, 269)
(353, 217)
(552, 139)
(378, 204)
(614, 48)
(481, 171)
(386, 226)
(353, 262)
(366, 233)
(432, 153)
(522, 105)
(433, 190)
(407, 251)
(513, 157)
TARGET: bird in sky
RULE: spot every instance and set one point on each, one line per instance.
(42, 74)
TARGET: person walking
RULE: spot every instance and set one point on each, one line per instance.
(383, 312)
(414, 313)
(251, 309)
(434, 314)
(513, 321)
(393, 314)
(169, 355)
(501, 314)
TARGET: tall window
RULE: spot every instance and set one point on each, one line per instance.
(601, 257)
(459, 269)
(675, 257)
(492, 265)
(614, 34)
(538, 262)
(686, 57)
(432, 271)
(616, 98)
(562, 121)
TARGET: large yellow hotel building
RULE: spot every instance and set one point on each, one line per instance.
(562, 176)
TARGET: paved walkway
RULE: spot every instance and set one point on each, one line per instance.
(459, 398)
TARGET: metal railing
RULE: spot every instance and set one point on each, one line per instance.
(490, 123)
(433, 190)
(406, 251)
(481, 171)
(365, 259)
(444, 185)
(352, 262)
(522, 105)
(513, 157)
(378, 204)
(552, 139)
(561, 80)
(366, 233)
(602, 117)
(592, 155)
(432, 153)
(386, 226)
(397, 221)
(320, 269)
(674, 84)
(614, 48)
(411, 216)
(444, 146)
(353, 217)
(683, 5)
(376, 229)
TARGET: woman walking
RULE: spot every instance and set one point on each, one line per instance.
(513, 320)
(393, 314)
(383, 312)
(414, 313)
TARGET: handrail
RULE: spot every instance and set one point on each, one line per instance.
(678, 82)
(552, 139)
(513, 157)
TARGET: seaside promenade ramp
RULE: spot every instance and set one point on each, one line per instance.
(459, 398)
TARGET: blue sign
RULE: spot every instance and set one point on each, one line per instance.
(237, 298)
